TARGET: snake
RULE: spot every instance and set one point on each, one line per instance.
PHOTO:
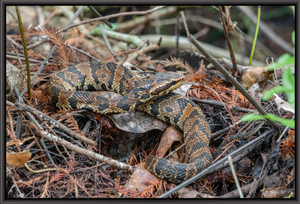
(78, 87)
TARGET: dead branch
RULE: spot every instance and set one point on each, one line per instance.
(23, 107)
(111, 16)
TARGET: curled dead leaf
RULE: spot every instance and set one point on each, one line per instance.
(255, 75)
(171, 135)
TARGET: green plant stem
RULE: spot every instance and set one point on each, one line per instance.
(25, 49)
(255, 36)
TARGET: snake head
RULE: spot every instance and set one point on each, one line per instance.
(163, 83)
(157, 85)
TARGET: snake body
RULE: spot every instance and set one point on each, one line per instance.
(72, 86)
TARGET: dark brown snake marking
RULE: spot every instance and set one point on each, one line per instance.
(71, 88)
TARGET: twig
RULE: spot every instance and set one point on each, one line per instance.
(40, 14)
(88, 153)
(21, 58)
(142, 44)
(99, 14)
(83, 151)
(106, 39)
(41, 140)
(36, 44)
(234, 71)
(157, 25)
(177, 33)
(16, 52)
(232, 80)
(19, 47)
(236, 180)
(186, 28)
(24, 107)
(18, 126)
(245, 189)
(220, 132)
(34, 121)
(176, 150)
(87, 127)
(144, 19)
(67, 136)
(133, 39)
(120, 18)
(225, 16)
(260, 179)
(77, 61)
(283, 132)
(81, 51)
(109, 17)
(204, 31)
(52, 14)
(14, 185)
(231, 138)
(22, 55)
(15, 18)
(38, 150)
(218, 103)
(152, 47)
(223, 152)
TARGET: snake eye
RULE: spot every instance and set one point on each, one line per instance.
(160, 89)
(166, 88)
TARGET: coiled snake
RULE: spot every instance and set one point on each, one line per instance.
(72, 86)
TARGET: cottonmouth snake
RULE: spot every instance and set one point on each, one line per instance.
(72, 86)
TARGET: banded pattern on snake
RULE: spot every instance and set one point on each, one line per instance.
(76, 87)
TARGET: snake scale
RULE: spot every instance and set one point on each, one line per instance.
(76, 87)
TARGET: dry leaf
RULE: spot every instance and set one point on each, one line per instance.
(254, 90)
(134, 121)
(137, 122)
(283, 104)
(251, 76)
(184, 88)
(171, 135)
(187, 193)
(18, 159)
(277, 192)
(14, 78)
(140, 178)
